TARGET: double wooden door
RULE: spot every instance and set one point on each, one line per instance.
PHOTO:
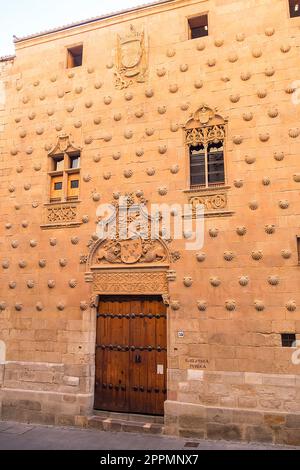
(131, 355)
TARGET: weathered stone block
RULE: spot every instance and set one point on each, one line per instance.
(258, 434)
(228, 432)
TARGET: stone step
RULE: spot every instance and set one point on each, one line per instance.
(115, 424)
(130, 417)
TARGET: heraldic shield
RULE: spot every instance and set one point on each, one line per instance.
(131, 250)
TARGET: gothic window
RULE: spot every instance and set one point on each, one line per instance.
(205, 138)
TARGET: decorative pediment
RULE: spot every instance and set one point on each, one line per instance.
(129, 239)
(205, 116)
(64, 144)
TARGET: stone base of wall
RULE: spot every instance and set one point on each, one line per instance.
(202, 422)
(45, 393)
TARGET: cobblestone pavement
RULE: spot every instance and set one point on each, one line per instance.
(16, 436)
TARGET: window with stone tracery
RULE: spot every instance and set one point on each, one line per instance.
(205, 138)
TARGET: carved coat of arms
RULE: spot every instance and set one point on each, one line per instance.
(131, 59)
(131, 250)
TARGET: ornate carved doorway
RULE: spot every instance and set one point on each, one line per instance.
(131, 354)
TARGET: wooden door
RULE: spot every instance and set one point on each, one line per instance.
(131, 355)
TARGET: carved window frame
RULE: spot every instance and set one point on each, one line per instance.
(200, 129)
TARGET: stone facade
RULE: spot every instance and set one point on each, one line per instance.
(228, 375)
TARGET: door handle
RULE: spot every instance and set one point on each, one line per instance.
(137, 359)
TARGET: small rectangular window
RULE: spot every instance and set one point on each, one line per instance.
(73, 186)
(58, 163)
(75, 55)
(298, 249)
(198, 26)
(74, 161)
(56, 188)
(288, 340)
(294, 8)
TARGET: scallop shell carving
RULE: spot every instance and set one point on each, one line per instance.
(234, 98)
(269, 31)
(107, 100)
(162, 149)
(175, 305)
(213, 232)
(98, 85)
(107, 175)
(84, 305)
(290, 90)
(184, 67)
(161, 72)
(73, 283)
(244, 281)
(51, 284)
(87, 178)
(171, 52)
(256, 52)
(250, 160)
(294, 133)
(269, 71)
(88, 140)
(30, 284)
(266, 181)
(257, 255)
(291, 306)
(273, 280)
(264, 137)
(5, 264)
(240, 37)
(149, 93)
(60, 93)
(22, 133)
(286, 254)
(74, 240)
(12, 284)
(60, 306)
(27, 186)
(18, 306)
(175, 169)
(200, 46)
(42, 263)
(173, 88)
(241, 231)
(53, 241)
(85, 219)
(198, 84)
(149, 131)
(229, 255)
(215, 281)
(174, 127)
(238, 183)
(97, 158)
(273, 112)
(39, 306)
(270, 229)
(245, 76)
(237, 139)
(262, 93)
(117, 117)
(161, 109)
(39, 130)
(150, 171)
(33, 243)
(15, 244)
(139, 113)
(77, 124)
(259, 305)
(11, 188)
(139, 152)
(253, 205)
(218, 42)
(107, 137)
(201, 257)
(233, 57)
(211, 62)
(296, 177)
(188, 281)
(163, 191)
(2, 306)
(22, 264)
(230, 305)
(284, 204)
(37, 167)
(97, 121)
(29, 150)
(285, 48)
(128, 96)
(63, 262)
(128, 134)
(202, 305)
(128, 173)
(279, 156)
